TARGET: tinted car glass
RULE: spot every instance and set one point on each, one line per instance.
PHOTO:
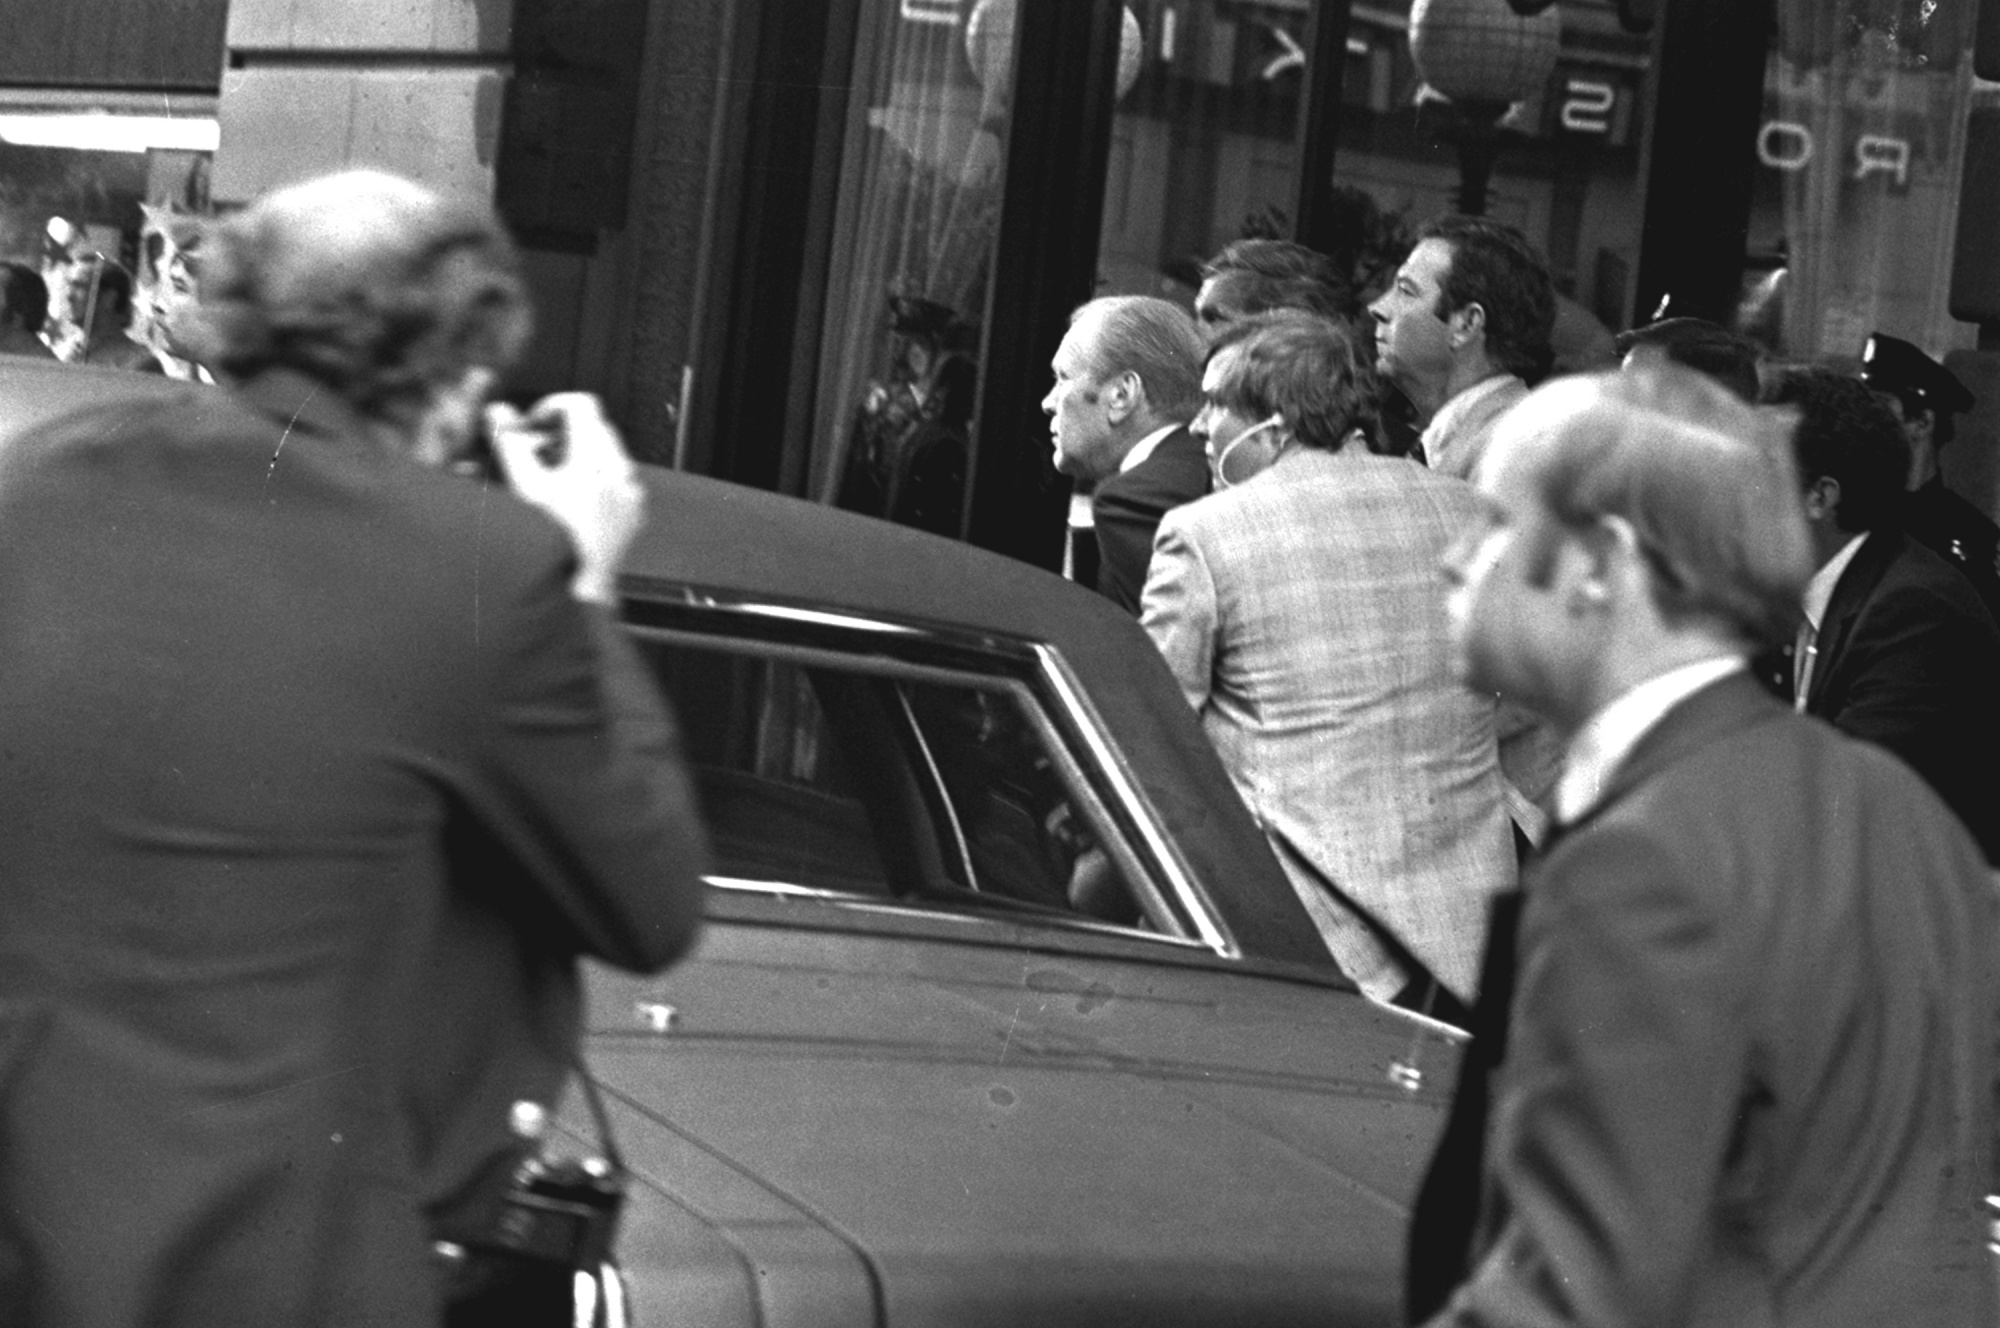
(860, 776)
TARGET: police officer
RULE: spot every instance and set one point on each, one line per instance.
(1926, 396)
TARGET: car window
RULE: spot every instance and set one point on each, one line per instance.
(866, 777)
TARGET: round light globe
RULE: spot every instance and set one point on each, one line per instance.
(1481, 50)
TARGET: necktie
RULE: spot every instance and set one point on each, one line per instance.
(1804, 651)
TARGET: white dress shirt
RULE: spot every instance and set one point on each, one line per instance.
(1609, 736)
(1819, 593)
(1445, 426)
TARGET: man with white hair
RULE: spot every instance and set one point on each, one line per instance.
(1127, 381)
(324, 765)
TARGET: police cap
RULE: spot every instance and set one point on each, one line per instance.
(1890, 364)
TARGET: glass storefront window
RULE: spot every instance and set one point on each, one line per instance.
(1860, 156)
(1567, 168)
(1206, 150)
(89, 186)
(1205, 139)
(917, 221)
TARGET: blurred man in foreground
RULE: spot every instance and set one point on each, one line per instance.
(1297, 607)
(1128, 379)
(324, 765)
(1733, 1055)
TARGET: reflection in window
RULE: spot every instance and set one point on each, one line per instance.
(1204, 147)
(1859, 160)
(919, 212)
(929, 792)
(98, 210)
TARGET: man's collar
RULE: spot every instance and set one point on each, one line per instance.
(1609, 736)
(1454, 411)
(299, 402)
(1819, 590)
(1145, 447)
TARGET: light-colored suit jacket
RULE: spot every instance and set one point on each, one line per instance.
(1304, 616)
(1456, 438)
(1455, 444)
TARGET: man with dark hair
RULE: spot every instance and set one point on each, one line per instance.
(1732, 1061)
(1896, 647)
(1127, 380)
(325, 766)
(24, 307)
(1462, 330)
(1295, 605)
(1707, 348)
(1258, 276)
(1927, 398)
(101, 304)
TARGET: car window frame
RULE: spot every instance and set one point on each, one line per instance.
(1053, 698)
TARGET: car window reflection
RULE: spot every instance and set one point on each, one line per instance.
(849, 780)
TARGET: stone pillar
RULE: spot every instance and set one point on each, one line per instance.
(411, 86)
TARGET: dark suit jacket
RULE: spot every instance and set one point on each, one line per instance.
(1748, 1057)
(1959, 533)
(316, 779)
(1127, 509)
(1909, 658)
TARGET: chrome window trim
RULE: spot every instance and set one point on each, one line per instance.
(943, 791)
(1195, 903)
(897, 908)
(1048, 666)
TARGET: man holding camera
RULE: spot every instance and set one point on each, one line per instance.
(322, 766)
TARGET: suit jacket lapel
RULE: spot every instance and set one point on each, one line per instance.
(1725, 705)
(1445, 1220)
(1856, 584)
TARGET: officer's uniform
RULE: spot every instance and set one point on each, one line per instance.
(1933, 515)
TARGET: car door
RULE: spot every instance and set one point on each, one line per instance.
(965, 1040)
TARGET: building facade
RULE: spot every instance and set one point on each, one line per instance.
(828, 247)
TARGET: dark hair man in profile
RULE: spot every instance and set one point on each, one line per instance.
(1462, 330)
(325, 765)
(24, 307)
(1127, 381)
(1732, 1061)
(1896, 647)
(1707, 348)
(1927, 398)
(1258, 276)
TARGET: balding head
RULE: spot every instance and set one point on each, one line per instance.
(376, 286)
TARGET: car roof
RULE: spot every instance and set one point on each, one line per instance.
(714, 535)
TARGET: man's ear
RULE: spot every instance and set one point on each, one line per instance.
(1123, 393)
(1467, 321)
(1822, 498)
(1608, 557)
(1922, 425)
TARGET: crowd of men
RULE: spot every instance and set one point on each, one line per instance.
(1509, 667)
(1633, 721)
